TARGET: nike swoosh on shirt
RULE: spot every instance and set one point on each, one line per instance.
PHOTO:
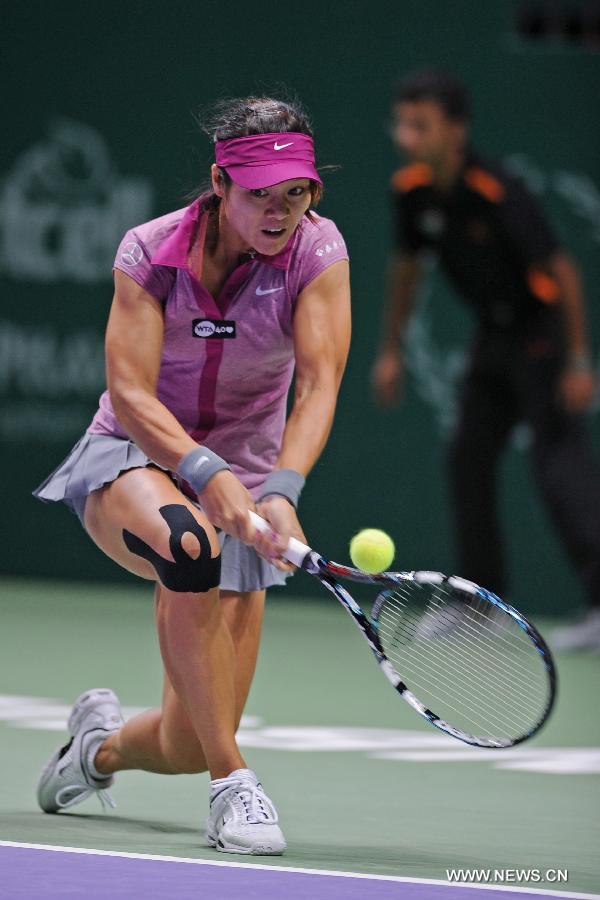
(277, 146)
(261, 293)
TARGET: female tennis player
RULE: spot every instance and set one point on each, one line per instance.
(215, 306)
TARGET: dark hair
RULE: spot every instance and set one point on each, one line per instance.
(239, 117)
(444, 88)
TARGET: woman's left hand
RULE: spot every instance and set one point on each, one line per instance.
(281, 515)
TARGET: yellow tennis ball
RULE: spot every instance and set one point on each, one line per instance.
(372, 550)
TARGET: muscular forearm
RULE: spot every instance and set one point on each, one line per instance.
(153, 428)
(402, 280)
(572, 304)
(308, 427)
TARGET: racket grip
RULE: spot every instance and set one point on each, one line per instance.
(295, 551)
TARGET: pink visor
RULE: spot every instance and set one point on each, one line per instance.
(259, 160)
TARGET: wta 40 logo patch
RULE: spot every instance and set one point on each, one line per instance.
(213, 328)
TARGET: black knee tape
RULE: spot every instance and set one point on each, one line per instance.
(185, 574)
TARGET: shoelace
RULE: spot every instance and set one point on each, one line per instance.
(257, 808)
(104, 796)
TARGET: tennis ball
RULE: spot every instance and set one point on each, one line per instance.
(372, 550)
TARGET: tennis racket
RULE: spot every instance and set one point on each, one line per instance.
(461, 657)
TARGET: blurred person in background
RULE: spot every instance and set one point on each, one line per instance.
(529, 359)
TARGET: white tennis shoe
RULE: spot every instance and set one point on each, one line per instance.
(242, 819)
(66, 779)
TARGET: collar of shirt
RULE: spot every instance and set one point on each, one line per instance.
(174, 250)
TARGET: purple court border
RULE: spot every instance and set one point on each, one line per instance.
(67, 873)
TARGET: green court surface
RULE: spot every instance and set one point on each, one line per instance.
(361, 783)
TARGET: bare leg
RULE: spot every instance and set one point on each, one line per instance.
(195, 640)
(164, 740)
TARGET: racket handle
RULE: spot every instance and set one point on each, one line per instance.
(295, 552)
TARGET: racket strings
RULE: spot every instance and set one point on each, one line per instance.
(462, 667)
(491, 616)
(488, 639)
(467, 655)
(516, 636)
(436, 612)
(499, 670)
(507, 676)
(482, 727)
(507, 671)
(498, 717)
(483, 696)
(478, 659)
(497, 721)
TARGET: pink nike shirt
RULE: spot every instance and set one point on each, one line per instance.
(227, 362)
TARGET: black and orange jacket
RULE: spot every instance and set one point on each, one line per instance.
(489, 233)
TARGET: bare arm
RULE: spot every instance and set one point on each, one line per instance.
(578, 382)
(133, 351)
(404, 274)
(566, 274)
(321, 343)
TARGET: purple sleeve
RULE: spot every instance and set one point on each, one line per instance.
(324, 246)
(133, 258)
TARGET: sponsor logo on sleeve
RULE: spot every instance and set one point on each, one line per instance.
(213, 328)
(131, 254)
(329, 248)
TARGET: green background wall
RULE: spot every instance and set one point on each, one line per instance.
(99, 135)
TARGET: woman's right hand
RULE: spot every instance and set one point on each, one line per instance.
(226, 502)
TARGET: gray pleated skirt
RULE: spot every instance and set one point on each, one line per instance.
(98, 459)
